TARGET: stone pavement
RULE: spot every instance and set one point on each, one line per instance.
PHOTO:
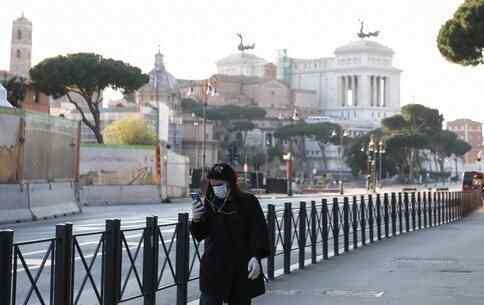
(441, 266)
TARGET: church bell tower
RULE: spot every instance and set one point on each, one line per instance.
(21, 47)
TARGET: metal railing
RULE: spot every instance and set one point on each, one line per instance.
(128, 264)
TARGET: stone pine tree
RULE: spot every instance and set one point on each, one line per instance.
(16, 90)
(461, 38)
(86, 75)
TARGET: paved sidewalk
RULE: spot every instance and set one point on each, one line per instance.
(441, 266)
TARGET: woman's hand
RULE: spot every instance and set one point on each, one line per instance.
(253, 268)
(197, 210)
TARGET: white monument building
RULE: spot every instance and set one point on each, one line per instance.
(359, 86)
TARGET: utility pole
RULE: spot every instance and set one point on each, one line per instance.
(208, 88)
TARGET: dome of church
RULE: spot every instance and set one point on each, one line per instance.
(23, 19)
(241, 58)
(160, 78)
(364, 46)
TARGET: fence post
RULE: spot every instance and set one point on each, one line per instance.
(407, 214)
(363, 220)
(324, 216)
(436, 203)
(429, 195)
(63, 264)
(424, 211)
(335, 226)
(355, 222)
(314, 236)
(439, 211)
(386, 216)
(419, 210)
(302, 234)
(447, 207)
(452, 207)
(6, 261)
(400, 219)
(271, 228)
(287, 237)
(112, 262)
(394, 214)
(414, 210)
(182, 259)
(370, 218)
(150, 260)
(378, 216)
(346, 224)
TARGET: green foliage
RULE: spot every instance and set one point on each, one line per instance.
(87, 75)
(460, 39)
(321, 132)
(189, 105)
(242, 126)
(224, 113)
(417, 128)
(16, 90)
(132, 130)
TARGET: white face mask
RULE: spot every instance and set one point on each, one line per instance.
(220, 190)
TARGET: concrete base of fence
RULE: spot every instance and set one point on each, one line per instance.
(119, 194)
(14, 203)
(52, 199)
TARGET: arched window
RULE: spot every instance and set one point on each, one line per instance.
(19, 54)
(19, 34)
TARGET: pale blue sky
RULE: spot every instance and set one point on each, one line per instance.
(194, 34)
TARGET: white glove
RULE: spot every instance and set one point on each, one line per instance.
(197, 210)
(254, 268)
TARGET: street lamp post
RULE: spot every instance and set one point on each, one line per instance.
(381, 152)
(375, 149)
(289, 158)
(344, 133)
(208, 89)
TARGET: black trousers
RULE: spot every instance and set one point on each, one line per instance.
(210, 300)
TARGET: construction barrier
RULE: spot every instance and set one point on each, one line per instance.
(119, 194)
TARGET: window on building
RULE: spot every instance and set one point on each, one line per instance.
(19, 34)
(19, 54)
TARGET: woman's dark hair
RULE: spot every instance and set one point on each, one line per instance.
(224, 172)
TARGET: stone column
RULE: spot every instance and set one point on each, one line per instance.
(355, 90)
(339, 97)
(378, 91)
(387, 91)
(373, 91)
(343, 91)
(349, 87)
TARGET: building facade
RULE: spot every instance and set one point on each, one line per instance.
(245, 64)
(21, 47)
(471, 132)
(359, 84)
(33, 99)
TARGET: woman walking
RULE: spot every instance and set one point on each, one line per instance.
(235, 232)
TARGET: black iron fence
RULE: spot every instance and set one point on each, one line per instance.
(118, 265)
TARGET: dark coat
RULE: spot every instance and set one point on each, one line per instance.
(231, 240)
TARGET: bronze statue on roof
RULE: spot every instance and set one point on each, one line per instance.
(364, 35)
(243, 47)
